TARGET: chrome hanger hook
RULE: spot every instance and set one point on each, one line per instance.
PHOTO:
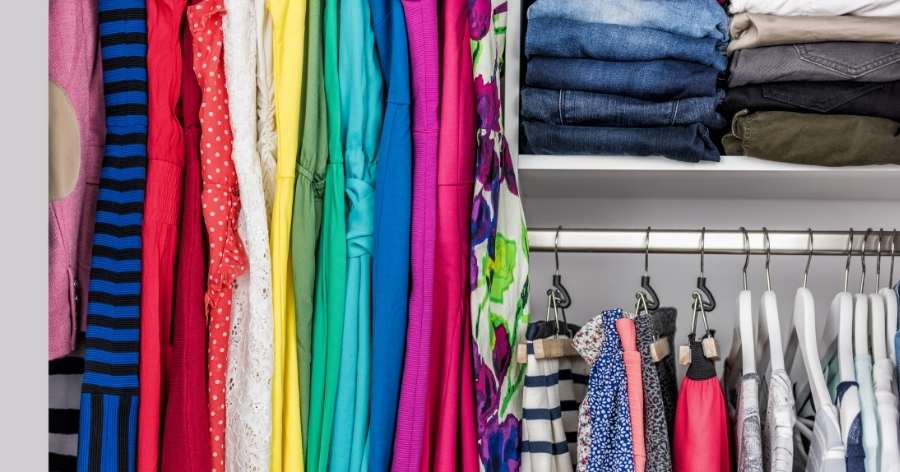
(878, 258)
(640, 302)
(556, 248)
(893, 252)
(747, 255)
(768, 248)
(709, 304)
(650, 297)
(563, 299)
(849, 257)
(809, 247)
(862, 260)
(647, 252)
(697, 305)
(702, 248)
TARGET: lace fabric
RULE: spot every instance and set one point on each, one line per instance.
(249, 381)
(265, 104)
(778, 436)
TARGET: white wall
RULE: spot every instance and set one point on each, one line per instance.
(599, 281)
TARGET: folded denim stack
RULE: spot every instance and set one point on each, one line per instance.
(815, 81)
(624, 77)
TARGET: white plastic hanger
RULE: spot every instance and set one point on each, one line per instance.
(805, 324)
(746, 339)
(843, 306)
(877, 309)
(798, 372)
(890, 305)
(861, 308)
(828, 341)
(770, 329)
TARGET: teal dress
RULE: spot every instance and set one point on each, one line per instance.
(361, 112)
(331, 266)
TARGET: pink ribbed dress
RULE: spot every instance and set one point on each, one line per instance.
(422, 31)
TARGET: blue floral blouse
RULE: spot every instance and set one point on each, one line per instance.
(607, 396)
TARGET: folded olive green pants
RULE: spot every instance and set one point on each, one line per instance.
(800, 138)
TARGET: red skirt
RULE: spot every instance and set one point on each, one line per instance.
(702, 436)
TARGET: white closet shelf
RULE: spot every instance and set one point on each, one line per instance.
(733, 177)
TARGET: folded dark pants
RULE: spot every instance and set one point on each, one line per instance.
(689, 143)
(572, 107)
(560, 37)
(647, 80)
(802, 138)
(841, 98)
(816, 62)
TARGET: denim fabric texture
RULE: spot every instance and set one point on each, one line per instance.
(560, 37)
(803, 138)
(572, 107)
(856, 454)
(694, 18)
(817, 62)
(842, 98)
(647, 80)
(689, 143)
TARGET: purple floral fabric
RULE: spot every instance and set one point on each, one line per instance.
(499, 253)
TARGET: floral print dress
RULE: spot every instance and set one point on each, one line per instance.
(499, 255)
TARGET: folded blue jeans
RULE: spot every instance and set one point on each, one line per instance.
(571, 107)
(694, 18)
(689, 143)
(560, 37)
(648, 80)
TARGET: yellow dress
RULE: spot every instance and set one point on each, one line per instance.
(288, 36)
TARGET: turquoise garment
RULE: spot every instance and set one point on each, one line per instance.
(832, 377)
(361, 109)
(871, 439)
(390, 276)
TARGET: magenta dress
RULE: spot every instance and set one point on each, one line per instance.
(422, 31)
(450, 439)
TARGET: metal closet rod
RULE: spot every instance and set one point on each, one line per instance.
(716, 241)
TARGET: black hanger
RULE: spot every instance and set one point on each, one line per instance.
(563, 300)
(651, 298)
(709, 304)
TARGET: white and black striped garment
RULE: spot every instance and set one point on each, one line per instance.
(554, 389)
(65, 395)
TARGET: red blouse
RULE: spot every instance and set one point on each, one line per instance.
(221, 205)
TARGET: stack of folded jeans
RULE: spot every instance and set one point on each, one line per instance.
(815, 82)
(613, 77)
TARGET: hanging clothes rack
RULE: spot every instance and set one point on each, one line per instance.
(688, 241)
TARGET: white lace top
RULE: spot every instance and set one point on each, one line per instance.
(265, 103)
(249, 390)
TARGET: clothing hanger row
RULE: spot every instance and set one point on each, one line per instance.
(703, 300)
(685, 241)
